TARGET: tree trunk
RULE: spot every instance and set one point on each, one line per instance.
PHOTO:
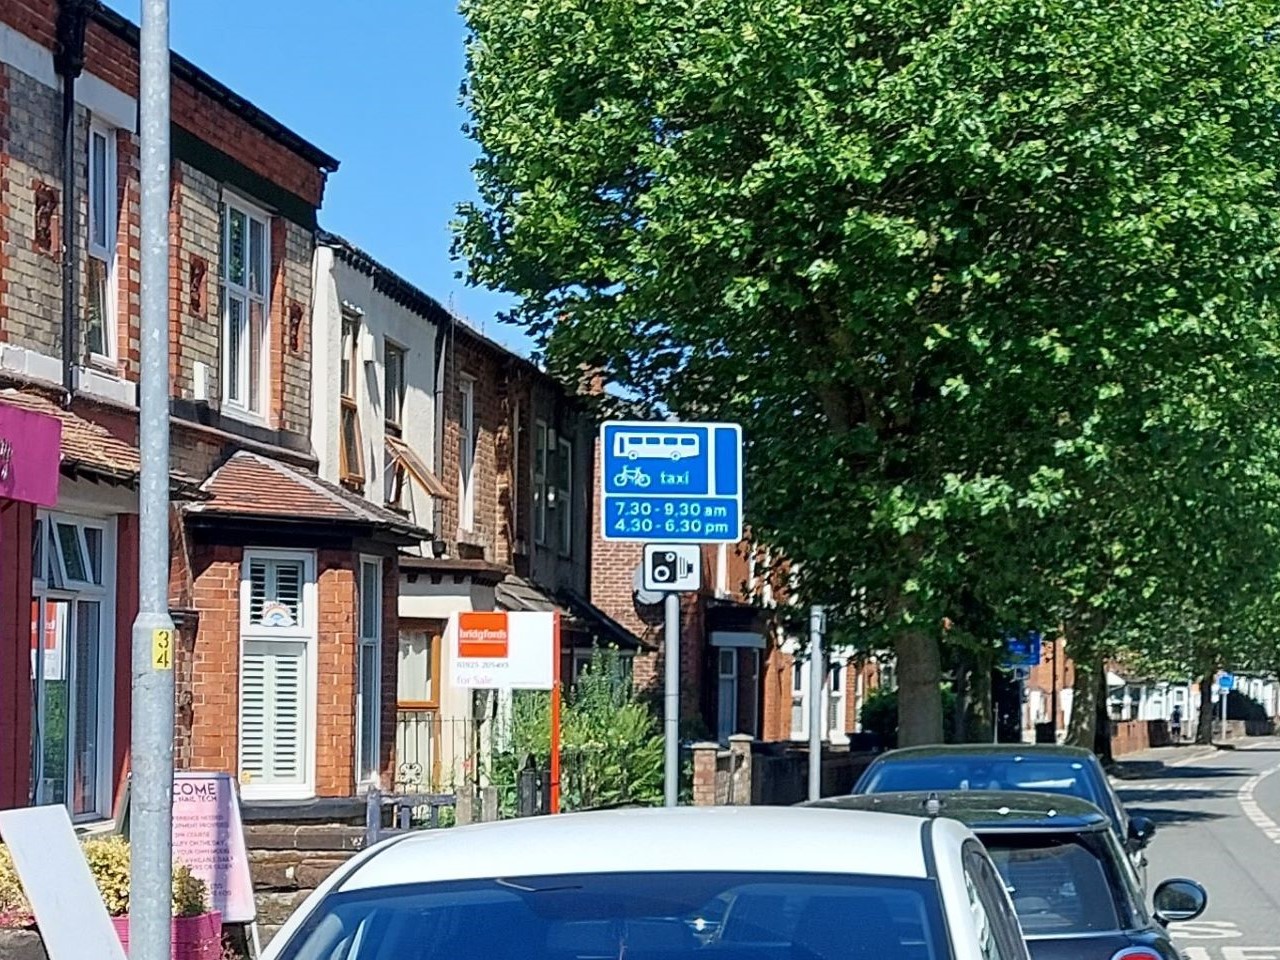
(1102, 729)
(980, 720)
(960, 709)
(1084, 703)
(1204, 725)
(919, 688)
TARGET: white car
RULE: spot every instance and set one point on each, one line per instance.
(744, 883)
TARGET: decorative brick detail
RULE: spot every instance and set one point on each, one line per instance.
(196, 276)
(46, 225)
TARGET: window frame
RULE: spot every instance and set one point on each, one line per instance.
(467, 454)
(726, 711)
(434, 644)
(363, 776)
(350, 474)
(106, 253)
(800, 694)
(305, 634)
(837, 699)
(564, 495)
(241, 408)
(541, 454)
(392, 349)
(74, 594)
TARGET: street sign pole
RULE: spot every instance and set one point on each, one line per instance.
(1225, 691)
(151, 748)
(817, 679)
(672, 486)
(671, 702)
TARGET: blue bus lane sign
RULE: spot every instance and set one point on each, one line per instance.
(677, 482)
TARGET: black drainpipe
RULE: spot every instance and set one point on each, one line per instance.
(68, 60)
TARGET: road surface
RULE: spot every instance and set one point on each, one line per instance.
(1218, 819)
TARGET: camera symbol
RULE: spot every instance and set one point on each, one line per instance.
(666, 566)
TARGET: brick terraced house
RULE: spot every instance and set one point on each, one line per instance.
(283, 585)
(422, 415)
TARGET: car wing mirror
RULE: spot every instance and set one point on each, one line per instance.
(1141, 830)
(1177, 901)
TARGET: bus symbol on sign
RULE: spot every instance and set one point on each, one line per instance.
(657, 446)
(671, 482)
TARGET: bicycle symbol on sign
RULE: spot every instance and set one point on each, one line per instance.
(631, 476)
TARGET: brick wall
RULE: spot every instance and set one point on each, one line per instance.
(336, 696)
(212, 739)
(485, 366)
(116, 61)
(33, 278)
(30, 166)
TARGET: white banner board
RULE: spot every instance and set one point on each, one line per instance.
(496, 650)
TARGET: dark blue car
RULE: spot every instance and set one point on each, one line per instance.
(1039, 768)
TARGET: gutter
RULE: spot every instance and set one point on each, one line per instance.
(68, 61)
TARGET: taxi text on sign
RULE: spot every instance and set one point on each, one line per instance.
(502, 651)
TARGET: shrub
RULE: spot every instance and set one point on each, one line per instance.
(880, 714)
(610, 741)
(108, 860)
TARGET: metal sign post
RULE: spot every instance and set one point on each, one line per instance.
(817, 679)
(671, 568)
(151, 750)
(673, 486)
(671, 703)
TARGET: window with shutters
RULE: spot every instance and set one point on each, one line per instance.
(277, 696)
(369, 685)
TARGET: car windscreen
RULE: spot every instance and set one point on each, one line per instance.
(637, 916)
(1041, 774)
(1060, 885)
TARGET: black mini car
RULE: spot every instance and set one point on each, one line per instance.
(1075, 891)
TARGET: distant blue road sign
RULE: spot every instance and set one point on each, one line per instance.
(1022, 651)
(1226, 681)
(679, 482)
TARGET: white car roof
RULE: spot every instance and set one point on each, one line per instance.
(754, 839)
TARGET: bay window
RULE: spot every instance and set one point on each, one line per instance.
(277, 664)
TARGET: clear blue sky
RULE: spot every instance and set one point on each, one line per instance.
(375, 84)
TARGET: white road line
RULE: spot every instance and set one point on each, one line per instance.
(1251, 808)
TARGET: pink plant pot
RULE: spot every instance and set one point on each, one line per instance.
(192, 938)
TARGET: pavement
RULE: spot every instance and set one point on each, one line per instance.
(1218, 822)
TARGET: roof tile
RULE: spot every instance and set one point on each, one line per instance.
(249, 484)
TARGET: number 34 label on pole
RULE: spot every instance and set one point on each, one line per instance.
(672, 482)
(162, 649)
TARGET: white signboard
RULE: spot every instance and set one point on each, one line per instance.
(55, 877)
(672, 567)
(208, 837)
(495, 650)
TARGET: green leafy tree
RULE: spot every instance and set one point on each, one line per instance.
(939, 260)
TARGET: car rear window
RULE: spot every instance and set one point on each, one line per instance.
(1042, 775)
(639, 916)
(1059, 885)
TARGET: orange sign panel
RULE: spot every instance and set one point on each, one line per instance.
(483, 636)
